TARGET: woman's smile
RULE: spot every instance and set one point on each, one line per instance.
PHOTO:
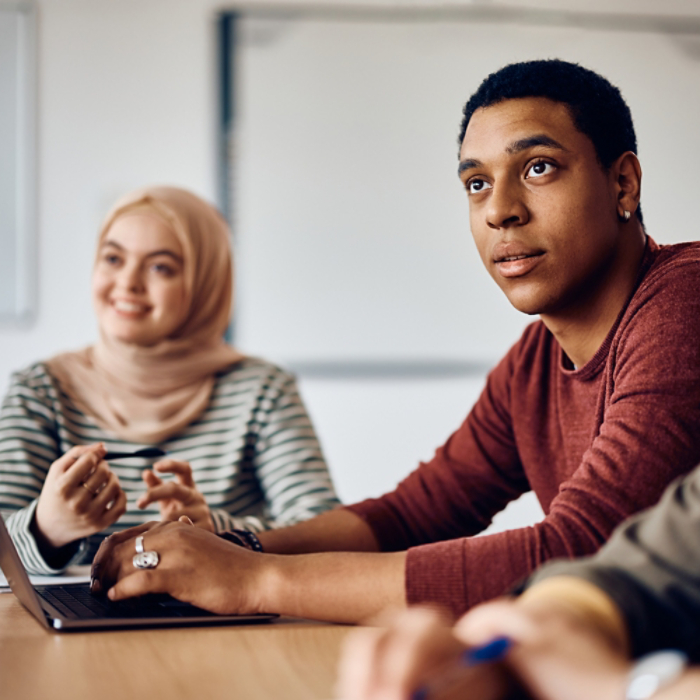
(130, 309)
(138, 284)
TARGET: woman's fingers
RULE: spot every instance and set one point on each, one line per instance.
(150, 479)
(81, 468)
(67, 460)
(98, 479)
(110, 503)
(182, 470)
(168, 490)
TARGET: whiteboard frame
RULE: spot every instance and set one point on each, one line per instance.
(25, 282)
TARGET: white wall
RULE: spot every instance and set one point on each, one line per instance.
(126, 97)
(352, 227)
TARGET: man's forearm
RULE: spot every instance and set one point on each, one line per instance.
(339, 587)
(337, 530)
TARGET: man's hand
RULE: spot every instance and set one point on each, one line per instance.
(194, 566)
(176, 498)
(198, 567)
(80, 497)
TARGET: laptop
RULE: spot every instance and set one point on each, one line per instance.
(71, 606)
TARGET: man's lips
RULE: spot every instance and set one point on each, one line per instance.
(516, 261)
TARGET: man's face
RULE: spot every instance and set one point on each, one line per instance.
(542, 209)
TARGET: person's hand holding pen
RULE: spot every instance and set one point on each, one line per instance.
(417, 656)
(81, 496)
(506, 649)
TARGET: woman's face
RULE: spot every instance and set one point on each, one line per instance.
(138, 285)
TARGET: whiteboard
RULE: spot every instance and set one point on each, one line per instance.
(351, 227)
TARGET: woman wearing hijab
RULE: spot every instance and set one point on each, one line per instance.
(241, 450)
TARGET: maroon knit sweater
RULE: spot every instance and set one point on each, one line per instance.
(595, 444)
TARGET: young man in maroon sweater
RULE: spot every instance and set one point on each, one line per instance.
(596, 408)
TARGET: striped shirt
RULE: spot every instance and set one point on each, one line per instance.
(253, 452)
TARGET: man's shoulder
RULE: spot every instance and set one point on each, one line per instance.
(677, 263)
(666, 302)
(534, 346)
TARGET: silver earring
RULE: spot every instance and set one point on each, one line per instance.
(626, 215)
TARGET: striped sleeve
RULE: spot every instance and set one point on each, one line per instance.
(287, 461)
(28, 446)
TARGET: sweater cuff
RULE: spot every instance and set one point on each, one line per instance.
(31, 557)
(436, 573)
(224, 521)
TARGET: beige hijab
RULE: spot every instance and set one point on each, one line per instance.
(147, 394)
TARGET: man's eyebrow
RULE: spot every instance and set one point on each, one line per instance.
(515, 147)
(530, 141)
(468, 164)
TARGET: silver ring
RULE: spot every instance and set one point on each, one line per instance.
(146, 560)
(139, 545)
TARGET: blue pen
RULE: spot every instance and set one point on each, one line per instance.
(495, 650)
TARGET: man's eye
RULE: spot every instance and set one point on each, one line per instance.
(542, 167)
(476, 185)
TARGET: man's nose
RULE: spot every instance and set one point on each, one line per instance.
(506, 207)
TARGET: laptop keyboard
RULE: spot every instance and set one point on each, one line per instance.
(77, 602)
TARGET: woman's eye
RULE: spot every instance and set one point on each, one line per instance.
(539, 169)
(112, 259)
(162, 269)
(476, 185)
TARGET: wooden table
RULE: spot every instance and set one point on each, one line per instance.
(283, 660)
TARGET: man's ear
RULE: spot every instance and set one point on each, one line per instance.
(626, 173)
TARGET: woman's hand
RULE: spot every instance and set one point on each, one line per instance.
(80, 497)
(176, 498)
(194, 566)
(416, 648)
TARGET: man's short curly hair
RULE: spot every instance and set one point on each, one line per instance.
(597, 107)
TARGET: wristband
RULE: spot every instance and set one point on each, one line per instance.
(653, 672)
(243, 538)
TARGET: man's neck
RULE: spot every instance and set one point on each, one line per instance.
(581, 328)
